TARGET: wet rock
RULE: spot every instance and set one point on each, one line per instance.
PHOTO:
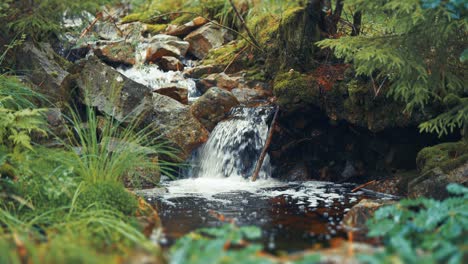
(167, 63)
(342, 98)
(207, 37)
(165, 45)
(213, 106)
(185, 29)
(45, 69)
(114, 94)
(177, 123)
(220, 80)
(396, 185)
(299, 172)
(179, 94)
(199, 71)
(247, 95)
(116, 54)
(357, 217)
(204, 85)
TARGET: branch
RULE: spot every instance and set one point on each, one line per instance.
(265, 148)
(252, 38)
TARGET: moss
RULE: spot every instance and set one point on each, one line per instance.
(182, 19)
(224, 54)
(108, 194)
(155, 29)
(446, 156)
(264, 27)
(294, 89)
(136, 17)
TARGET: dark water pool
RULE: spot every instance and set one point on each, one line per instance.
(293, 216)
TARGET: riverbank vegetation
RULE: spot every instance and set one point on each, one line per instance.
(67, 180)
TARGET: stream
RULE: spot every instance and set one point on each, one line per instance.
(293, 215)
(216, 187)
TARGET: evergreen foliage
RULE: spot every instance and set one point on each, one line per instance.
(423, 230)
(419, 52)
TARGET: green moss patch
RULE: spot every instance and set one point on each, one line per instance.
(446, 156)
(108, 194)
(294, 89)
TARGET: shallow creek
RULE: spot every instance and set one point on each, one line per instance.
(293, 216)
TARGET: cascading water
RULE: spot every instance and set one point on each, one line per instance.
(234, 146)
(293, 215)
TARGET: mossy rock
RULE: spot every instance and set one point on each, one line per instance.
(228, 55)
(293, 46)
(294, 90)
(108, 194)
(446, 156)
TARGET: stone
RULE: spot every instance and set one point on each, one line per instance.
(204, 85)
(108, 30)
(222, 81)
(165, 45)
(45, 69)
(213, 106)
(178, 124)
(177, 93)
(185, 29)
(114, 94)
(198, 71)
(207, 37)
(356, 218)
(117, 54)
(167, 63)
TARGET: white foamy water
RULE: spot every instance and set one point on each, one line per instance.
(207, 187)
(155, 78)
(234, 146)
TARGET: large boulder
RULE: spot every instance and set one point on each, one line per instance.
(112, 93)
(165, 45)
(341, 96)
(45, 69)
(438, 166)
(213, 106)
(208, 37)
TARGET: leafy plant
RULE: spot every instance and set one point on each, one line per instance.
(423, 230)
(64, 235)
(418, 52)
(106, 150)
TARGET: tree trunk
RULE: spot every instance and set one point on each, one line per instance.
(357, 21)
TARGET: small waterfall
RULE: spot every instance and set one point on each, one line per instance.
(234, 146)
(150, 75)
(155, 78)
